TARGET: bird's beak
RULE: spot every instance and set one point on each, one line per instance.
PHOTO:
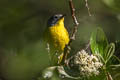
(63, 16)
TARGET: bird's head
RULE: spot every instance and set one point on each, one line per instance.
(56, 19)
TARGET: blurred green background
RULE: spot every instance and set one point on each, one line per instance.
(22, 23)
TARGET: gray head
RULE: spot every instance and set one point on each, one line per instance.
(53, 20)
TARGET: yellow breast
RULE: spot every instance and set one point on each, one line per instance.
(59, 37)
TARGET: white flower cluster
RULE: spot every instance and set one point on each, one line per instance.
(88, 64)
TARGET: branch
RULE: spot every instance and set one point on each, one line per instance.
(73, 35)
(109, 77)
(74, 19)
(86, 4)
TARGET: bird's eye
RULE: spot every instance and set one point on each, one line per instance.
(55, 16)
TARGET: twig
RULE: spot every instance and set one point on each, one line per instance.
(67, 48)
(88, 45)
(109, 77)
(73, 12)
(74, 19)
(86, 4)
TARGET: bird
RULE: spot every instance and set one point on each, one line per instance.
(57, 37)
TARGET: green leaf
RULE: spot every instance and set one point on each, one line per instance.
(117, 58)
(99, 42)
(111, 50)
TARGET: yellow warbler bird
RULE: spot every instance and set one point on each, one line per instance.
(57, 37)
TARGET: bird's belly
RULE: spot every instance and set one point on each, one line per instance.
(58, 37)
